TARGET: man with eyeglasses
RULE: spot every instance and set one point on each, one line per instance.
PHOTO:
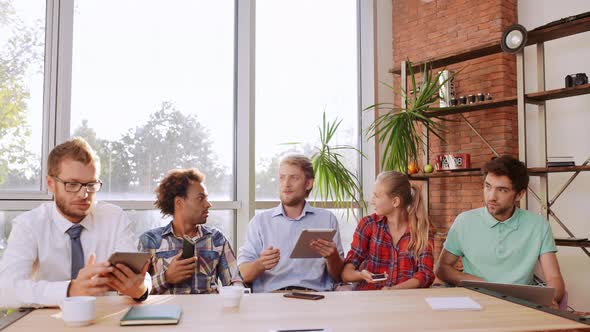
(61, 248)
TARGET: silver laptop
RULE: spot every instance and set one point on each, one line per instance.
(535, 294)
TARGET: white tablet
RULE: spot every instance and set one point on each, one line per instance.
(302, 247)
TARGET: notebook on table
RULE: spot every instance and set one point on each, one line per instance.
(160, 314)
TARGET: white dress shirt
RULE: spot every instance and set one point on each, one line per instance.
(35, 269)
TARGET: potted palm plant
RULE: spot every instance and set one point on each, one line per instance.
(333, 180)
(397, 129)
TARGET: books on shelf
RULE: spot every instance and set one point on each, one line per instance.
(560, 161)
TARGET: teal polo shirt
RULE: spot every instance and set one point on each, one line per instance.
(495, 251)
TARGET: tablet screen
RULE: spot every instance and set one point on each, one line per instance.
(133, 260)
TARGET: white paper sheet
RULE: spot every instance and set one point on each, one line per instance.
(453, 303)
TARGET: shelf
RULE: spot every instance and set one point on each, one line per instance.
(533, 98)
(568, 243)
(540, 97)
(538, 35)
(532, 172)
(451, 58)
(444, 174)
(544, 170)
(510, 101)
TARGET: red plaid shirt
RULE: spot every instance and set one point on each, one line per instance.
(372, 244)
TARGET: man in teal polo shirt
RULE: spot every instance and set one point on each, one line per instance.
(500, 242)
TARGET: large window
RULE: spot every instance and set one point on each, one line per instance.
(303, 68)
(22, 42)
(158, 85)
(152, 90)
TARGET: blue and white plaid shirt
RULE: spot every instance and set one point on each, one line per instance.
(215, 260)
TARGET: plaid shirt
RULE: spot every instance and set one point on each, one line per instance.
(215, 259)
(372, 244)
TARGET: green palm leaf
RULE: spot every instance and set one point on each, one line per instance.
(396, 129)
(333, 181)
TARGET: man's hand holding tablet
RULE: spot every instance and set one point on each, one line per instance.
(325, 248)
(315, 243)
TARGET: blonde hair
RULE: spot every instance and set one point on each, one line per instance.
(303, 163)
(398, 185)
(76, 149)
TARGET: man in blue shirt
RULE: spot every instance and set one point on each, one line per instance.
(264, 259)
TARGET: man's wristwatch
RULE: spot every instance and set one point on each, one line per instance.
(143, 297)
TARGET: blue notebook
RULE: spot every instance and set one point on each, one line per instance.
(160, 314)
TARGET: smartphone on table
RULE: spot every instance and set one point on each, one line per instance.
(304, 296)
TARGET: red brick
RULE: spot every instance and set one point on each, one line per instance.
(430, 30)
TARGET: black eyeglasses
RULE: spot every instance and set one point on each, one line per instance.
(74, 187)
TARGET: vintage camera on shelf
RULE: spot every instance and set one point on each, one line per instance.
(575, 80)
(447, 162)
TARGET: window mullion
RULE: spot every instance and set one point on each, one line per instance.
(245, 120)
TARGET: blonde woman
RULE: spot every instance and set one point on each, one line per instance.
(392, 248)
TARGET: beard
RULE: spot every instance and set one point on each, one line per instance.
(292, 201)
(70, 212)
(499, 210)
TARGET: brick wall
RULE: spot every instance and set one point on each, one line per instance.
(429, 30)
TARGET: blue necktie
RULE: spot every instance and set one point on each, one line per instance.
(77, 252)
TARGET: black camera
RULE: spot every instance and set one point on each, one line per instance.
(575, 80)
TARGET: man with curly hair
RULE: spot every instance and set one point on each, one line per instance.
(182, 194)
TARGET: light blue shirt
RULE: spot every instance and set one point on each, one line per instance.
(273, 228)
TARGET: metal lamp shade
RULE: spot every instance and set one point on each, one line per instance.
(514, 39)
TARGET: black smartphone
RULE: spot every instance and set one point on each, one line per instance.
(379, 276)
(188, 249)
(305, 296)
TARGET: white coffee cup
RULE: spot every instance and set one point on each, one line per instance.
(78, 310)
(232, 295)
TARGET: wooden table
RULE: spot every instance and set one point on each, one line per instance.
(401, 310)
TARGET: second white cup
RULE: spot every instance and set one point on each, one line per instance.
(232, 295)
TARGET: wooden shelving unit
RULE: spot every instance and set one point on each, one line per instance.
(538, 37)
(534, 37)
